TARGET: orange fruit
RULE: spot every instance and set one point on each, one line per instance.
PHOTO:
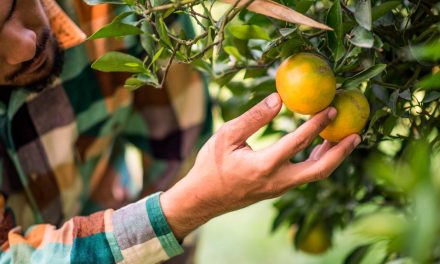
(316, 241)
(353, 111)
(305, 83)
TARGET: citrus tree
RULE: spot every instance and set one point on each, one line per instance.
(387, 190)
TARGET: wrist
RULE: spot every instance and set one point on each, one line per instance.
(182, 211)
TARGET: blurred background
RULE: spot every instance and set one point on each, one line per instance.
(382, 204)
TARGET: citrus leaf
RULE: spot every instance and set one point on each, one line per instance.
(369, 73)
(245, 32)
(432, 96)
(156, 56)
(140, 80)
(279, 11)
(147, 40)
(430, 82)
(163, 33)
(357, 255)
(335, 37)
(381, 10)
(117, 28)
(361, 37)
(393, 101)
(303, 6)
(429, 51)
(118, 62)
(381, 225)
(362, 13)
(406, 95)
(233, 51)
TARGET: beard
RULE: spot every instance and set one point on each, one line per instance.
(44, 80)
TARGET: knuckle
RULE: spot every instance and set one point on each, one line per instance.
(300, 142)
(347, 150)
(255, 114)
(319, 124)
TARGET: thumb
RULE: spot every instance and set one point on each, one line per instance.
(242, 127)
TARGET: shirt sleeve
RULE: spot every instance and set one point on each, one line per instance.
(136, 233)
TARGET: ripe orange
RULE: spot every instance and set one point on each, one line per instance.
(353, 111)
(306, 83)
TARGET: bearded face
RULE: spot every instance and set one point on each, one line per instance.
(29, 53)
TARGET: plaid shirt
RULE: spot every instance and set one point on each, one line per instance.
(86, 144)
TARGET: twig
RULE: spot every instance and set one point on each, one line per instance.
(196, 15)
(208, 12)
(169, 65)
(229, 15)
(239, 68)
(168, 6)
(183, 41)
(201, 53)
(188, 42)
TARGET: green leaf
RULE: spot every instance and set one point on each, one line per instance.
(430, 82)
(335, 37)
(156, 56)
(381, 10)
(202, 65)
(362, 13)
(432, 96)
(233, 51)
(147, 40)
(286, 31)
(357, 255)
(381, 225)
(430, 51)
(255, 73)
(369, 73)
(117, 28)
(303, 6)
(393, 101)
(140, 80)
(361, 37)
(159, 2)
(389, 125)
(246, 32)
(406, 94)
(118, 62)
(163, 33)
(377, 116)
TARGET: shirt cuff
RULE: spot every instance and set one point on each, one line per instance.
(160, 226)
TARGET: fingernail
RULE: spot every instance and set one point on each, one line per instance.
(272, 100)
(356, 141)
(332, 113)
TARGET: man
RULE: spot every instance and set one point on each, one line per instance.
(64, 150)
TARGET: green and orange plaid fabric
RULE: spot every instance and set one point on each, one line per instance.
(85, 145)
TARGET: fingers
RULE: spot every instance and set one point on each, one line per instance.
(314, 151)
(312, 170)
(319, 151)
(296, 141)
(242, 127)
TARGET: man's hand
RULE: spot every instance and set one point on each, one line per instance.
(229, 175)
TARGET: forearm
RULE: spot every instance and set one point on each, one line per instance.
(135, 233)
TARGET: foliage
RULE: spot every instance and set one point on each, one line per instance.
(387, 49)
